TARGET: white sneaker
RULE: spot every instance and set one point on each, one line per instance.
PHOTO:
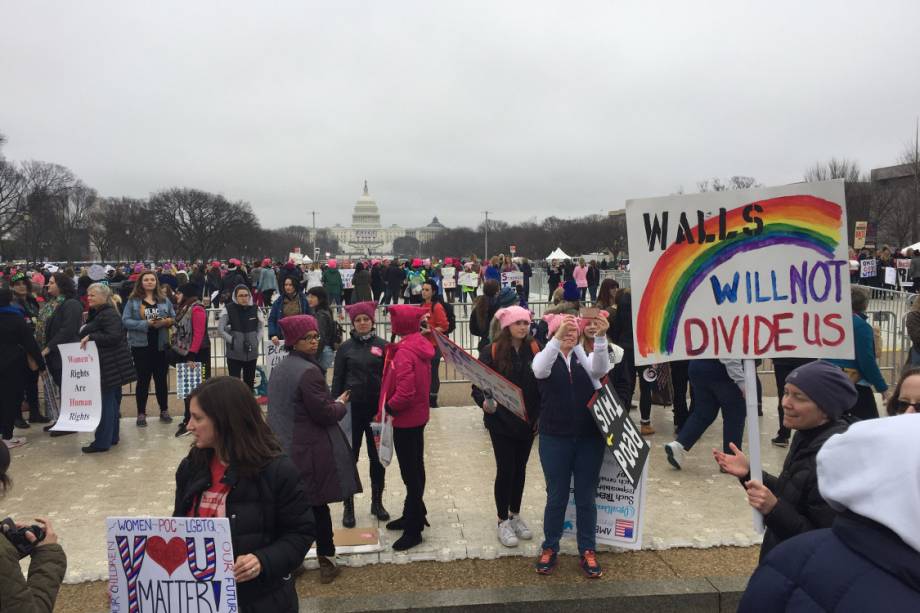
(675, 453)
(521, 530)
(12, 443)
(506, 534)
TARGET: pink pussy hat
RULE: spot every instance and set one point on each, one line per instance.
(405, 318)
(509, 315)
(295, 327)
(368, 308)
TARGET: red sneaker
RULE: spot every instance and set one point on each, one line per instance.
(590, 565)
(546, 563)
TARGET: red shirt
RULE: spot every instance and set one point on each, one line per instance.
(437, 320)
(213, 502)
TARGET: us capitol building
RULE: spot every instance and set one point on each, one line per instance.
(366, 236)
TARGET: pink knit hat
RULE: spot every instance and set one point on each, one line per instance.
(368, 308)
(38, 278)
(509, 315)
(405, 318)
(138, 268)
(332, 263)
(416, 262)
(295, 327)
(267, 262)
(234, 262)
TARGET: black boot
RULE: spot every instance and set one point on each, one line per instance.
(377, 509)
(408, 540)
(348, 517)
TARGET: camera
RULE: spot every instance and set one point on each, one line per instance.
(17, 536)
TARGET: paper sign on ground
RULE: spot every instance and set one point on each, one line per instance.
(81, 388)
(171, 564)
(448, 277)
(619, 508)
(619, 432)
(741, 274)
(503, 391)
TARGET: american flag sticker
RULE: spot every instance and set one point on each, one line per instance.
(623, 528)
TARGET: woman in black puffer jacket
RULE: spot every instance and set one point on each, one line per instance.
(116, 366)
(359, 370)
(236, 470)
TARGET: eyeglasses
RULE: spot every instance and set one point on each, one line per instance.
(903, 405)
(312, 336)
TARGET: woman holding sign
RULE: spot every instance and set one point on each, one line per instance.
(571, 447)
(116, 367)
(236, 469)
(511, 355)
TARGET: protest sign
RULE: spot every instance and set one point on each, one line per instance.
(867, 269)
(902, 263)
(188, 377)
(273, 355)
(859, 234)
(619, 507)
(619, 432)
(81, 388)
(891, 276)
(469, 279)
(514, 277)
(347, 275)
(296, 257)
(741, 274)
(168, 564)
(448, 277)
(503, 391)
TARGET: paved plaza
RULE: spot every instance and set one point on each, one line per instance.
(695, 507)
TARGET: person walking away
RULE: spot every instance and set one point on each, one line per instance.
(47, 561)
(717, 385)
(594, 279)
(291, 302)
(527, 271)
(437, 320)
(863, 370)
(268, 282)
(116, 367)
(361, 282)
(553, 277)
(511, 355)
(815, 396)
(328, 341)
(17, 347)
(358, 369)
(240, 325)
(305, 417)
(571, 447)
(377, 281)
(871, 553)
(393, 276)
(405, 387)
(236, 469)
(332, 283)
(190, 341)
(147, 317)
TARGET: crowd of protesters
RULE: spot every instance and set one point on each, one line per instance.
(144, 318)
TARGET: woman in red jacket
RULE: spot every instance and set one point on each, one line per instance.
(437, 320)
(406, 381)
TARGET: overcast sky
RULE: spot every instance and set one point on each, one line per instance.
(526, 109)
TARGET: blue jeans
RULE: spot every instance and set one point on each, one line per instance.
(713, 389)
(108, 429)
(327, 358)
(562, 458)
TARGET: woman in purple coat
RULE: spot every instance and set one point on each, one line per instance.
(305, 417)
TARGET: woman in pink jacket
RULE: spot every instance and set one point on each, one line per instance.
(580, 274)
(405, 387)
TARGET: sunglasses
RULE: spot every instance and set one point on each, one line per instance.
(903, 405)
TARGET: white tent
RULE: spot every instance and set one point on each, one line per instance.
(557, 254)
(910, 250)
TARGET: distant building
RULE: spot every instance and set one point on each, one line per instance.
(367, 236)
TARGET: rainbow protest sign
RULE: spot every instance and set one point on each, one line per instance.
(741, 274)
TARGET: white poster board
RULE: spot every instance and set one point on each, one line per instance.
(891, 275)
(81, 388)
(469, 279)
(296, 257)
(273, 355)
(347, 275)
(619, 507)
(170, 564)
(867, 269)
(859, 234)
(741, 274)
(514, 277)
(448, 277)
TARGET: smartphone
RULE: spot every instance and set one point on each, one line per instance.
(589, 312)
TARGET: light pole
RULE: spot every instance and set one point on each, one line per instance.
(28, 219)
(314, 234)
(486, 258)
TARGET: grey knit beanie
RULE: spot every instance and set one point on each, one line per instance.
(826, 385)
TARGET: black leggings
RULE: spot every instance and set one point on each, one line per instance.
(325, 546)
(680, 380)
(11, 386)
(30, 381)
(409, 444)
(435, 373)
(149, 362)
(246, 367)
(361, 429)
(511, 455)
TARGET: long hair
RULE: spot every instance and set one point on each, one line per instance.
(481, 310)
(66, 286)
(606, 296)
(503, 364)
(321, 296)
(244, 440)
(140, 293)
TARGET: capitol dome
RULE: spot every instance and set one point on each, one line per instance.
(366, 214)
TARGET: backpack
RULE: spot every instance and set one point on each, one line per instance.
(451, 318)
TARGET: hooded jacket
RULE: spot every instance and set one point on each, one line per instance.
(241, 328)
(361, 282)
(869, 560)
(332, 281)
(407, 381)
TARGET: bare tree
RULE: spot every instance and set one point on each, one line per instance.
(735, 182)
(835, 168)
(910, 157)
(12, 198)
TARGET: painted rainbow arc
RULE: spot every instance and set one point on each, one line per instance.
(800, 221)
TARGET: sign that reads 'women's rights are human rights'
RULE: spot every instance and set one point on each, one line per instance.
(741, 274)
